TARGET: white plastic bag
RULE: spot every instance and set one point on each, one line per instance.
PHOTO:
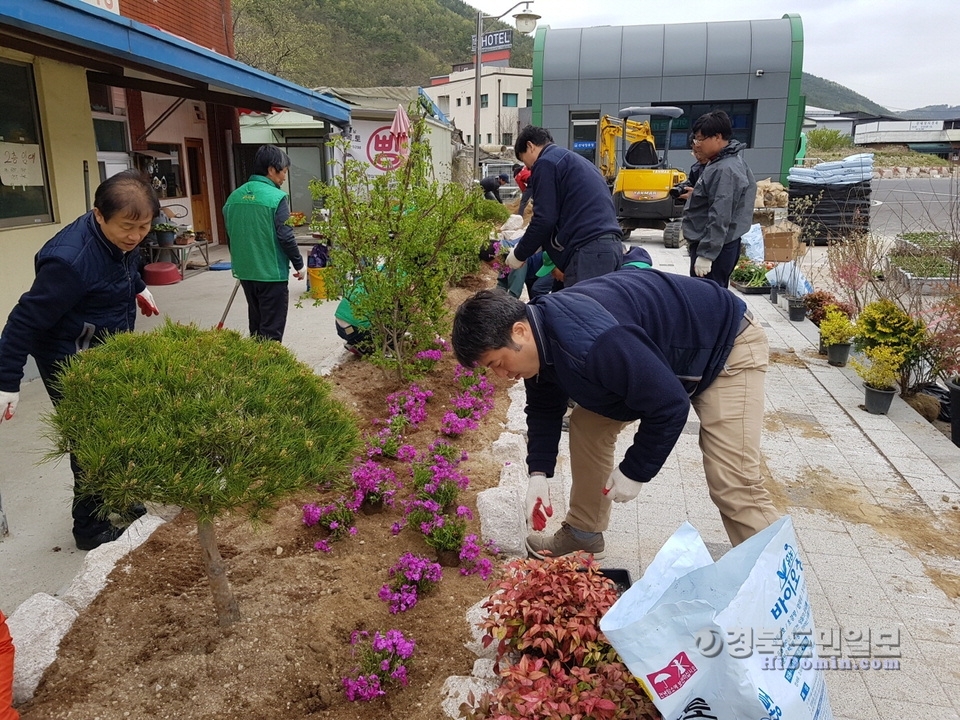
(700, 636)
(787, 275)
(753, 243)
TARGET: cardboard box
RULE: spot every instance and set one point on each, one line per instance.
(781, 242)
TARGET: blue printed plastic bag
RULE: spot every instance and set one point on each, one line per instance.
(701, 636)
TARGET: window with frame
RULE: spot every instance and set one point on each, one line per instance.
(468, 101)
(458, 102)
(742, 118)
(506, 139)
(509, 100)
(484, 101)
(162, 164)
(24, 194)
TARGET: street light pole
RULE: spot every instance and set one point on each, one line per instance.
(526, 24)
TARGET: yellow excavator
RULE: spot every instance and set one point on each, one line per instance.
(644, 186)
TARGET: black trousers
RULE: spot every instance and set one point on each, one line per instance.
(722, 267)
(266, 308)
(86, 508)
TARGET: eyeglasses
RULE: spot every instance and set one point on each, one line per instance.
(696, 141)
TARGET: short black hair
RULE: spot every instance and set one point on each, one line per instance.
(531, 134)
(485, 322)
(715, 122)
(517, 167)
(129, 192)
(268, 157)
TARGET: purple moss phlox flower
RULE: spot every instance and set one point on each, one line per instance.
(311, 515)
(452, 425)
(433, 355)
(397, 527)
(406, 453)
(381, 664)
(322, 546)
(464, 512)
(374, 482)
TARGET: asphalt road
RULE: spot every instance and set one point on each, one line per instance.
(914, 204)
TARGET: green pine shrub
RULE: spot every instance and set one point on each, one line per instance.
(204, 419)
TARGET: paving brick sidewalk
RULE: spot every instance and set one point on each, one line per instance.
(871, 497)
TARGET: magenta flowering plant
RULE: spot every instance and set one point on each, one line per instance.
(336, 518)
(471, 404)
(410, 403)
(452, 425)
(443, 448)
(438, 480)
(470, 561)
(447, 532)
(382, 661)
(373, 483)
(412, 576)
(388, 440)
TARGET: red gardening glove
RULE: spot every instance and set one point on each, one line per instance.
(147, 304)
(538, 504)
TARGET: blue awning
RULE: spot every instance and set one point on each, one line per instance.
(77, 26)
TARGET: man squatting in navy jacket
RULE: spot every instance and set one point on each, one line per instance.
(574, 218)
(628, 346)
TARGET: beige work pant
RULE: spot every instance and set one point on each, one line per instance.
(731, 420)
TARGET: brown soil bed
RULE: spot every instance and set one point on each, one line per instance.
(150, 645)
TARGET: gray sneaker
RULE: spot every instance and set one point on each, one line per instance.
(562, 542)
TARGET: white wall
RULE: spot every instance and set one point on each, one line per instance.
(495, 120)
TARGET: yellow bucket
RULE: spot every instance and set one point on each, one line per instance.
(317, 283)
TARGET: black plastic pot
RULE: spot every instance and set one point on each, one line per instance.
(837, 355)
(877, 402)
(798, 311)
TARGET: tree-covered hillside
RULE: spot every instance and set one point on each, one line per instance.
(364, 43)
(360, 43)
(833, 96)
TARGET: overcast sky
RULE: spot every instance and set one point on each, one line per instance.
(902, 55)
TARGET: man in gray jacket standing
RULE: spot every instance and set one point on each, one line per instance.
(720, 210)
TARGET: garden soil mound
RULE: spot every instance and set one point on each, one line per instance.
(150, 645)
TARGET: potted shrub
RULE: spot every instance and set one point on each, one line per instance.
(166, 233)
(883, 322)
(879, 376)
(836, 335)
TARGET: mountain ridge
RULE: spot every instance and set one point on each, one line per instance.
(367, 43)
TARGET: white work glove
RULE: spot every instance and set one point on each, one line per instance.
(148, 305)
(513, 262)
(8, 404)
(620, 488)
(539, 507)
(702, 266)
(300, 274)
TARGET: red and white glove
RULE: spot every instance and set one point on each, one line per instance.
(539, 507)
(620, 488)
(8, 404)
(148, 305)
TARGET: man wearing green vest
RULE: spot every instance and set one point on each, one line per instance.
(262, 245)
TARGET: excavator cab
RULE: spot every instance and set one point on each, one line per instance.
(640, 178)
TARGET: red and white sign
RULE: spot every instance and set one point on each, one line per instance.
(667, 681)
(383, 149)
